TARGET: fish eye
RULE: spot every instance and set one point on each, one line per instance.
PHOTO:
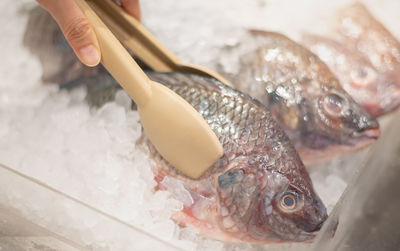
(289, 200)
(333, 104)
(362, 77)
(362, 72)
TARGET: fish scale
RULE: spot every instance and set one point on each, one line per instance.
(259, 138)
(298, 89)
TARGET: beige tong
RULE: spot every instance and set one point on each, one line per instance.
(143, 44)
(175, 128)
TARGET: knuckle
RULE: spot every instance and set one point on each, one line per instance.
(77, 29)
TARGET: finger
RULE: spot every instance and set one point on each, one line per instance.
(132, 7)
(76, 28)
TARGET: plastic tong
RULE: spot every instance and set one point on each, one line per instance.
(174, 127)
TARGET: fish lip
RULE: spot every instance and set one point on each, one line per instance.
(320, 224)
(364, 138)
(309, 236)
(370, 133)
(312, 232)
(323, 216)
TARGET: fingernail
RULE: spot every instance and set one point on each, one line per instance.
(89, 55)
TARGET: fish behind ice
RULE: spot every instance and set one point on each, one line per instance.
(360, 31)
(258, 191)
(304, 96)
(373, 90)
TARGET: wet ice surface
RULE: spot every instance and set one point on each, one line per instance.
(90, 154)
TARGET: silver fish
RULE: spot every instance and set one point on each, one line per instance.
(306, 99)
(259, 191)
(360, 31)
(370, 88)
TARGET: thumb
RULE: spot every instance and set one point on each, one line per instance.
(132, 7)
(76, 28)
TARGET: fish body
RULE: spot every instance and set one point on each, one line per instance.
(258, 191)
(360, 31)
(305, 97)
(358, 77)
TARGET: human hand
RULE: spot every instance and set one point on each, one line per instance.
(77, 29)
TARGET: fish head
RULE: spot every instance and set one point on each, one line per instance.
(360, 31)
(261, 205)
(377, 93)
(338, 124)
(365, 84)
(291, 209)
(356, 74)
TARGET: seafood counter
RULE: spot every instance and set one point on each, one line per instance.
(297, 125)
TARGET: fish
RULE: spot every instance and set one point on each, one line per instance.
(359, 31)
(305, 98)
(259, 191)
(373, 90)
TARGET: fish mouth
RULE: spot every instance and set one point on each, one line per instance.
(318, 218)
(366, 132)
(307, 235)
(314, 229)
(371, 133)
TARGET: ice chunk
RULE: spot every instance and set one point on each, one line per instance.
(112, 114)
(177, 188)
(123, 99)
